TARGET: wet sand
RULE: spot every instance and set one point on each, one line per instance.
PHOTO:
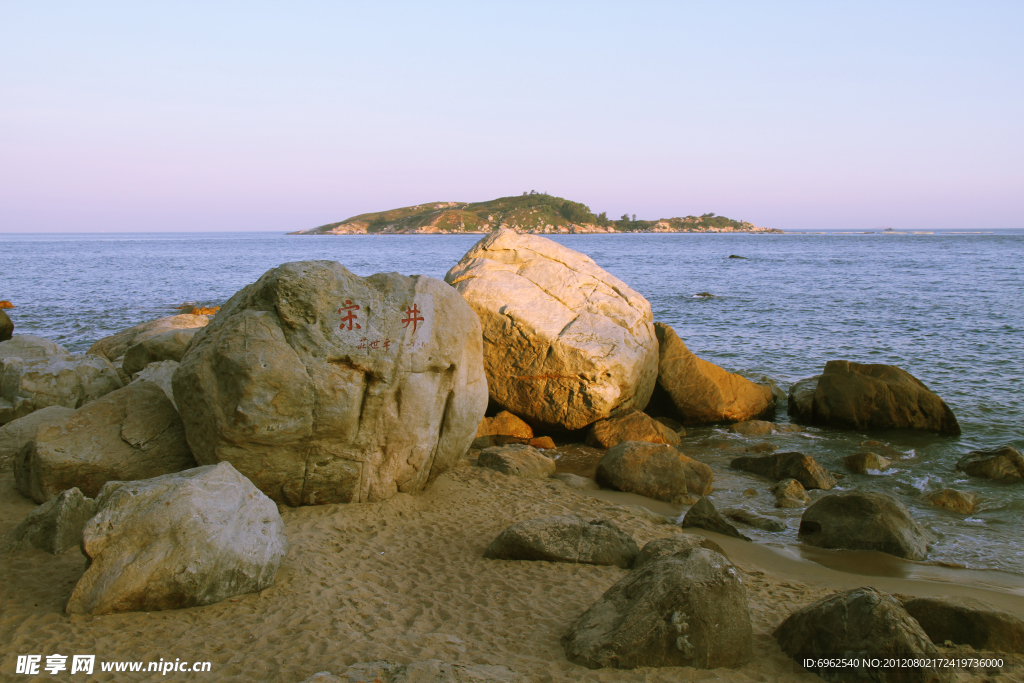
(405, 580)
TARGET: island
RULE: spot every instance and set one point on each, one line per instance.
(531, 212)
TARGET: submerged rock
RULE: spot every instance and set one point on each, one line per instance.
(1004, 464)
(703, 515)
(518, 460)
(859, 520)
(568, 538)
(803, 468)
(657, 471)
(682, 610)
(179, 540)
(966, 621)
(962, 502)
(870, 396)
(565, 343)
(56, 525)
(633, 426)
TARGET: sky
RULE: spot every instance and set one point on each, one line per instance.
(212, 116)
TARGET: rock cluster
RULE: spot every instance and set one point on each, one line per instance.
(803, 468)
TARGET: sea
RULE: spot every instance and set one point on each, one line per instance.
(948, 307)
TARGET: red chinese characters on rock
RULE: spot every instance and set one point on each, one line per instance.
(350, 316)
(412, 315)
(375, 345)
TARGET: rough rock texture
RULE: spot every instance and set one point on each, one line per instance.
(164, 346)
(68, 381)
(753, 519)
(1005, 463)
(674, 546)
(803, 468)
(703, 515)
(428, 671)
(866, 462)
(30, 347)
(179, 540)
(56, 525)
(517, 460)
(789, 493)
(504, 424)
(858, 622)
(684, 610)
(859, 520)
(701, 392)
(542, 442)
(160, 373)
(966, 621)
(753, 428)
(575, 481)
(963, 502)
(16, 434)
(565, 343)
(117, 345)
(6, 327)
(634, 426)
(570, 538)
(871, 396)
(800, 404)
(132, 433)
(324, 387)
(653, 470)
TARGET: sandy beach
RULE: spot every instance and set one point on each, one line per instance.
(405, 580)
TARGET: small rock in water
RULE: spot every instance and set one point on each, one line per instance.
(705, 295)
(753, 428)
(789, 493)
(1005, 464)
(737, 256)
(803, 468)
(750, 493)
(865, 462)
(703, 515)
(6, 304)
(953, 500)
(885, 450)
(575, 481)
(753, 519)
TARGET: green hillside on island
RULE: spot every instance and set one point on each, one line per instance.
(531, 212)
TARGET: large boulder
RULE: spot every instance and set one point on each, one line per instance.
(165, 346)
(324, 387)
(863, 622)
(116, 345)
(632, 426)
(870, 396)
(568, 538)
(56, 525)
(673, 546)
(683, 610)
(803, 468)
(657, 471)
(1004, 464)
(860, 520)
(966, 621)
(30, 347)
(703, 515)
(132, 433)
(17, 434)
(518, 460)
(565, 343)
(178, 540)
(697, 392)
(68, 381)
(6, 327)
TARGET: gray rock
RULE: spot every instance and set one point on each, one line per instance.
(966, 621)
(865, 462)
(684, 610)
(575, 481)
(323, 387)
(673, 546)
(860, 622)
(753, 519)
(117, 345)
(789, 493)
(803, 468)
(68, 381)
(56, 525)
(801, 399)
(657, 471)
(703, 515)
(160, 373)
(132, 433)
(29, 347)
(1003, 464)
(568, 538)
(160, 347)
(179, 540)
(17, 434)
(859, 520)
(517, 460)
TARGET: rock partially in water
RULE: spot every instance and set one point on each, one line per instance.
(962, 502)
(633, 426)
(753, 428)
(674, 546)
(683, 610)
(861, 520)
(517, 460)
(56, 525)
(966, 621)
(569, 538)
(654, 470)
(866, 462)
(803, 468)
(703, 515)
(870, 396)
(753, 519)
(543, 443)
(736, 256)
(575, 481)
(504, 424)
(789, 493)
(859, 622)
(565, 343)
(1003, 464)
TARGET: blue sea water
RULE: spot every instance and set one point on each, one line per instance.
(949, 308)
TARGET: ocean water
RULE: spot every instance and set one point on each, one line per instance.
(949, 308)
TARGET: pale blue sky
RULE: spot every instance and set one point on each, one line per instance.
(128, 116)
